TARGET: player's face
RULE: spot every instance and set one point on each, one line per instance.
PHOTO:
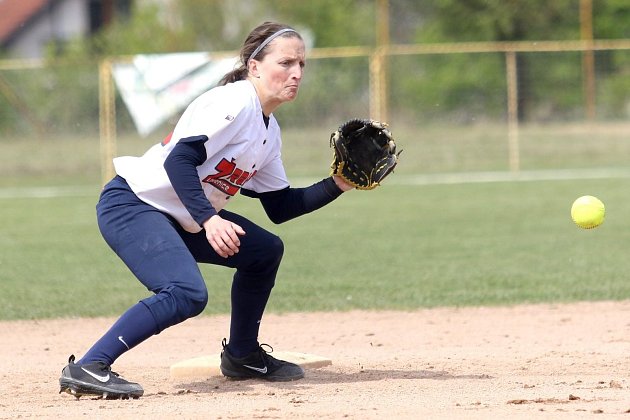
(281, 71)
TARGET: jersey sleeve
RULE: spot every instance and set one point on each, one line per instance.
(289, 203)
(181, 168)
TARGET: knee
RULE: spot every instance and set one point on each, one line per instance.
(274, 251)
(175, 304)
(190, 303)
(261, 264)
(267, 257)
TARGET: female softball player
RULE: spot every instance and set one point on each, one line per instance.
(164, 213)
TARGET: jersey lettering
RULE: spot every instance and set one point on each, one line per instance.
(228, 177)
(236, 175)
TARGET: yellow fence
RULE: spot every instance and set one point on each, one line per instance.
(378, 80)
(377, 84)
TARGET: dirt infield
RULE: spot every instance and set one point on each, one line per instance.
(549, 361)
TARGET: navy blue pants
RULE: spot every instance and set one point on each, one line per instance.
(164, 257)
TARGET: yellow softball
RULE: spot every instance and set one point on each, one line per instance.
(588, 212)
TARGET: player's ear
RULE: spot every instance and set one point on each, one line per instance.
(253, 68)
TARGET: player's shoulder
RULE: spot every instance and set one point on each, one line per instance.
(234, 98)
(237, 92)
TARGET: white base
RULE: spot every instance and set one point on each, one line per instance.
(206, 366)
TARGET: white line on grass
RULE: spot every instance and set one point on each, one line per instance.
(483, 177)
(498, 176)
(48, 192)
(411, 180)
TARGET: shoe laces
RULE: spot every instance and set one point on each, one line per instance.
(261, 348)
(102, 366)
(265, 355)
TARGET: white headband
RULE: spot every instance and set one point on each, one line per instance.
(267, 41)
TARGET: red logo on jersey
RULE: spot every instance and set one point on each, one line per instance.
(167, 139)
(228, 178)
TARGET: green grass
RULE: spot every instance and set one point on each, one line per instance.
(397, 247)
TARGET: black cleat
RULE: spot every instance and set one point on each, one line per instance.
(259, 364)
(96, 379)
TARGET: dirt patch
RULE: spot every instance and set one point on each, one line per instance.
(565, 361)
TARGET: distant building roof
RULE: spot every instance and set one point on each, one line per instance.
(16, 14)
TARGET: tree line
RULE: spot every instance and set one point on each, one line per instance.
(435, 86)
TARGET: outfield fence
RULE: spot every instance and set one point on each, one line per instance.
(462, 106)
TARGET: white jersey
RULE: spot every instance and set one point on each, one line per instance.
(241, 151)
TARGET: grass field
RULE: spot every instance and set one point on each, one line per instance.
(398, 247)
(405, 245)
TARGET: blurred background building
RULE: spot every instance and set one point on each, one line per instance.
(28, 27)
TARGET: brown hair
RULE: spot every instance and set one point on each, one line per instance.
(255, 38)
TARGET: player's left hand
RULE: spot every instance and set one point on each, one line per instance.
(364, 153)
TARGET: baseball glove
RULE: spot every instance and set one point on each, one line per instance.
(364, 153)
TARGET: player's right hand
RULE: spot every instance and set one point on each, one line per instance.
(223, 235)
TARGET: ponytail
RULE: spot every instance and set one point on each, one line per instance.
(239, 73)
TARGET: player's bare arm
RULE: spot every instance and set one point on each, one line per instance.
(343, 185)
